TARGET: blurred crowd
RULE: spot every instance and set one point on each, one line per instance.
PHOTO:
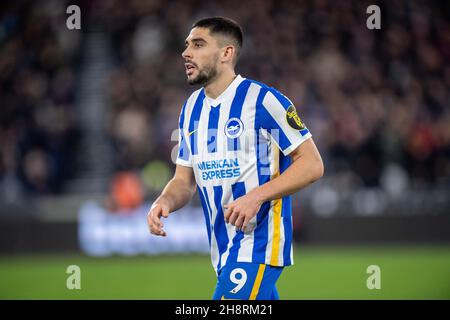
(373, 99)
(38, 62)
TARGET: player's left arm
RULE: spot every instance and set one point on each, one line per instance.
(306, 168)
(276, 114)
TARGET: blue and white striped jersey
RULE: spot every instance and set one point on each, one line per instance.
(232, 144)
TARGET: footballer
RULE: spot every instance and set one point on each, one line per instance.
(245, 150)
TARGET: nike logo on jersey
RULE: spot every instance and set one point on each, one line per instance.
(192, 132)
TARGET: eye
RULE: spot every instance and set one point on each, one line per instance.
(197, 45)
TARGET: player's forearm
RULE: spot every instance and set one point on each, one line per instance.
(177, 193)
(301, 173)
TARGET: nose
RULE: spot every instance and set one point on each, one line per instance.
(186, 53)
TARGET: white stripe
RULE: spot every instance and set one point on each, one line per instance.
(269, 236)
(231, 231)
(282, 240)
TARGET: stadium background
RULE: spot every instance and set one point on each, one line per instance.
(86, 138)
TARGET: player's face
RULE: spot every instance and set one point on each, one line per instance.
(201, 57)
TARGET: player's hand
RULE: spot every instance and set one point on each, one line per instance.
(160, 208)
(242, 210)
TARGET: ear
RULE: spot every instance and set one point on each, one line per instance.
(228, 53)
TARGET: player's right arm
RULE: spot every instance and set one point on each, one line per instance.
(177, 193)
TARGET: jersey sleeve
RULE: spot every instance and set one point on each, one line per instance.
(278, 115)
(184, 157)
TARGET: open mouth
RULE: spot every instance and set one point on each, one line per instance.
(189, 68)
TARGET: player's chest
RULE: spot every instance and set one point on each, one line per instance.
(220, 132)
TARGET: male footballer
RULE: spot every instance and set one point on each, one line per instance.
(243, 147)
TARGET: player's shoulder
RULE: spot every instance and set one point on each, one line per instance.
(196, 93)
(266, 88)
(190, 101)
(270, 92)
(259, 84)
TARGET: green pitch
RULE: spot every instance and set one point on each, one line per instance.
(319, 273)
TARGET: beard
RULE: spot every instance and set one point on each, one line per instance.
(205, 75)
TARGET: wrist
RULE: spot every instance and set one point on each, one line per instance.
(259, 196)
(163, 200)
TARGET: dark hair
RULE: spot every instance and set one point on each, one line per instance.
(223, 26)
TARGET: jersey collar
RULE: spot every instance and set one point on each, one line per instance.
(228, 92)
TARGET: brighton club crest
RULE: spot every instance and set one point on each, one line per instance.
(234, 128)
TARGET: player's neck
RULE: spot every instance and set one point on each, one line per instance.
(215, 89)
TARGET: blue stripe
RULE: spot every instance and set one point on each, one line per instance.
(236, 111)
(272, 127)
(286, 214)
(183, 152)
(262, 148)
(220, 229)
(285, 102)
(238, 190)
(304, 132)
(206, 212)
(213, 124)
(233, 144)
(183, 110)
(263, 170)
(193, 122)
(207, 202)
(285, 162)
(260, 234)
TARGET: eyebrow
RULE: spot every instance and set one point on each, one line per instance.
(196, 40)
